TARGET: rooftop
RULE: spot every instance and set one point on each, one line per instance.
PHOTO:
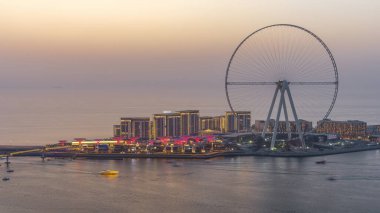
(188, 111)
(167, 114)
(239, 112)
(134, 118)
(348, 121)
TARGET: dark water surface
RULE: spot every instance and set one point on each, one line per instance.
(238, 184)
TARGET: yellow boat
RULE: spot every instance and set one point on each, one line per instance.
(109, 172)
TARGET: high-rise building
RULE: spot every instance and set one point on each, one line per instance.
(189, 122)
(116, 130)
(212, 125)
(220, 123)
(159, 126)
(216, 123)
(350, 129)
(207, 122)
(166, 124)
(230, 122)
(238, 121)
(126, 127)
(134, 127)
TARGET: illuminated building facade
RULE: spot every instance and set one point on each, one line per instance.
(182, 123)
(166, 124)
(189, 122)
(240, 121)
(134, 127)
(116, 130)
(219, 123)
(207, 122)
(373, 129)
(351, 129)
(306, 126)
(216, 124)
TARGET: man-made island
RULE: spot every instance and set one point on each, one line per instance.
(237, 144)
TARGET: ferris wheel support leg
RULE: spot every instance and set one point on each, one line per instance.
(300, 134)
(287, 121)
(270, 112)
(274, 136)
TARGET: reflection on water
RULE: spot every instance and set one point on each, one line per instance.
(238, 184)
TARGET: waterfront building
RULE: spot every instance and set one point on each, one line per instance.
(212, 125)
(351, 129)
(245, 138)
(207, 132)
(116, 130)
(306, 126)
(374, 138)
(219, 123)
(238, 121)
(260, 124)
(134, 127)
(189, 122)
(373, 129)
(151, 130)
(159, 125)
(207, 123)
(166, 124)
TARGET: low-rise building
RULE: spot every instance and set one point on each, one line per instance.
(306, 126)
(374, 138)
(373, 129)
(350, 129)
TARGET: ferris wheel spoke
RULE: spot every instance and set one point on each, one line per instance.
(251, 83)
(311, 83)
(314, 83)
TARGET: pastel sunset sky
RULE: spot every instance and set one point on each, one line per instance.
(87, 43)
(72, 68)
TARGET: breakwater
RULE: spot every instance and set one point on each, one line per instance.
(263, 153)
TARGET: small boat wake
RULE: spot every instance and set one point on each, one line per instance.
(109, 172)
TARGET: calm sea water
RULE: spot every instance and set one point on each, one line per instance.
(238, 184)
(46, 115)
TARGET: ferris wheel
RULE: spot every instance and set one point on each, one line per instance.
(282, 67)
